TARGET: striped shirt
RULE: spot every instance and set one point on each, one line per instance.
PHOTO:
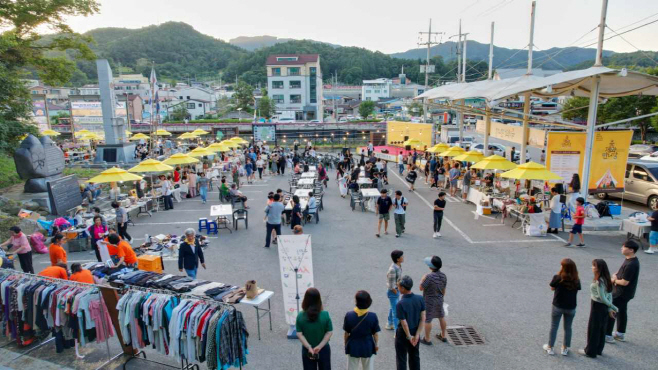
(393, 275)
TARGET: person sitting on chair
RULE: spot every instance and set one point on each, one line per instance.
(237, 194)
(311, 208)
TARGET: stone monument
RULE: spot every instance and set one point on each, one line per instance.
(38, 161)
(116, 148)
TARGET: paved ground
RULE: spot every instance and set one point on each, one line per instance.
(497, 281)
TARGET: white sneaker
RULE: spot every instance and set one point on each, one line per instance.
(650, 251)
(549, 350)
(565, 351)
(438, 235)
(434, 235)
(609, 339)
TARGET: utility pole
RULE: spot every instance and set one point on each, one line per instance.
(333, 89)
(459, 52)
(464, 60)
(491, 52)
(526, 96)
(429, 44)
(487, 119)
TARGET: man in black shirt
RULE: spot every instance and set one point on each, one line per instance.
(624, 285)
(653, 235)
(383, 209)
(439, 206)
(410, 311)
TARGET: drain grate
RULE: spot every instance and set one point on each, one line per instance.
(464, 336)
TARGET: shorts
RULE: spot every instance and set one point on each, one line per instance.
(577, 229)
(453, 183)
(465, 189)
(384, 216)
(653, 238)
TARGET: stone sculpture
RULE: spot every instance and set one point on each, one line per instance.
(38, 161)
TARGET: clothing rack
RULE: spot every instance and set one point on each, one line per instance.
(71, 283)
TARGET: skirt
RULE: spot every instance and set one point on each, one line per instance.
(555, 220)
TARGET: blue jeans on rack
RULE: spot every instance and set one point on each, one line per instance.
(393, 299)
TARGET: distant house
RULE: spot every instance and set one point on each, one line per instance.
(373, 90)
(294, 82)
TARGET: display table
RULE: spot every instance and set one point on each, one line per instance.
(302, 193)
(312, 168)
(369, 196)
(475, 196)
(256, 302)
(309, 175)
(363, 181)
(636, 230)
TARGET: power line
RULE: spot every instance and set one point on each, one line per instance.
(629, 43)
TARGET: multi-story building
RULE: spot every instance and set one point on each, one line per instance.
(134, 84)
(294, 83)
(376, 89)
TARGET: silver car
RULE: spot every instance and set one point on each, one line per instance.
(640, 184)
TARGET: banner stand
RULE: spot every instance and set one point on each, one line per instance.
(294, 248)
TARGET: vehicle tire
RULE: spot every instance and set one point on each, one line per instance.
(652, 202)
(602, 196)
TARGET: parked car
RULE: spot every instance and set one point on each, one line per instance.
(466, 143)
(494, 148)
(640, 183)
(640, 150)
(651, 157)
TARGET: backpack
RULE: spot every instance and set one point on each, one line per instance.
(402, 200)
(603, 209)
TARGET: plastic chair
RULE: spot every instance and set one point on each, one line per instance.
(355, 199)
(203, 224)
(241, 214)
(211, 228)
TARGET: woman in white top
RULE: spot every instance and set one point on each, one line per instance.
(260, 165)
(555, 220)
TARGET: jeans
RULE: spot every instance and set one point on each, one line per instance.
(401, 168)
(438, 219)
(168, 202)
(269, 227)
(323, 363)
(204, 192)
(260, 173)
(191, 273)
(123, 231)
(393, 300)
(556, 315)
(622, 316)
(399, 222)
(403, 350)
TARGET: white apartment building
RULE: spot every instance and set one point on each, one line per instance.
(294, 83)
(134, 84)
(376, 89)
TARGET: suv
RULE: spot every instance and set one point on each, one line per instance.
(494, 148)
(640, 183)
(465, 144)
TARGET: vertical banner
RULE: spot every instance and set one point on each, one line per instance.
(565, 152)
(295, 253)
(609, 157)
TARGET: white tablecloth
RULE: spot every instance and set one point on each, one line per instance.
(635, 228)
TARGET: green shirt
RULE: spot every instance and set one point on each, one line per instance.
(314, 331)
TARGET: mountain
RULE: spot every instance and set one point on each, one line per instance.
(554, 58)
(256, 42)
(635, 60)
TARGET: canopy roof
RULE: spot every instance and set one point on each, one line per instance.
(614, 83)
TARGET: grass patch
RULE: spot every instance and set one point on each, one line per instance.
(8, 170)
(82, 173)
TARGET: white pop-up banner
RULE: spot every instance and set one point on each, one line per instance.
(296, 263)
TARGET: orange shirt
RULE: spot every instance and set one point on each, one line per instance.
(83, 276)
(57, 253)
(112, 249)
(126, 251)
(54, 272)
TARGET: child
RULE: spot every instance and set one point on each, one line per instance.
(579, 220)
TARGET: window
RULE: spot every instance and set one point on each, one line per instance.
(377, 91)
(295, 99)
(277, 84)
(276, 71)
(180, 98)
(286, 59)
(128, 88)
(293, 71)
(368, 98)
(295, 84)
(641, 174)
(313, 84)
(191, 105)
(629, 167)
(188, 97)
(200, 105)
(277, 99)
(368, 91)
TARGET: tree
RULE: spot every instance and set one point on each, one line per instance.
(224, 104)
(416, 109)
(366, 108)
(23, 50)
(244, 96)
(575, 109)
(266, 107)
(180, 113)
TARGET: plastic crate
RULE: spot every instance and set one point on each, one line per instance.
(149, 263)
(615, 209)
(77, 245)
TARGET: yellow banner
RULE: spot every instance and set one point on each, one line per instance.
(609, 157)
(564, 153)
(398, 132)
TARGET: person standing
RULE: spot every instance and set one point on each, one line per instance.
(400, 163)
(167, 190)
(565, 286)
(56, 253)
(512, 154)
(602, 308)
(624, 286)
(361, 334)
(18, 243)
(433, 286)
(399, 212)
(203, 186)
(383, 209)
(273, 220)
(191, 186)
(579, 221)
(190, 254)
(296, 214)
(439, 206)
(393, 276)
(260, 166)
(555, 219)
(410, 311)
(411, 176)
(454, 174)
(314, 329)
(466, 183)
(97, 232)
(122, 221)
(653, 234)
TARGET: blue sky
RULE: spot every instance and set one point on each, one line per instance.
(391, 25)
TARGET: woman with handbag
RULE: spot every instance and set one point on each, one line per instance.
(314, 329)
(361, 338)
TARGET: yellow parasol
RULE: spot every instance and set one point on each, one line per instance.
(200, 152)
(114, 174)
(50, 132)
(239, 140)
(531, 171)
(472, 156)
(128, 133)
(230, 144)
(91, 136)
(180, 158)
(494, 162)
(218, 147)
(188, 135)
(162, 132)
(139, 136)
(413, 143)
(151, 165)
(82, 132)
(453, 152)
(199, 132)
(438, 148)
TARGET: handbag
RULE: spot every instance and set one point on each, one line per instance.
(251, 288)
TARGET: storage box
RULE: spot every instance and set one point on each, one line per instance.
(150, 263)
(486, 210)
(615, 209)
(77, 245)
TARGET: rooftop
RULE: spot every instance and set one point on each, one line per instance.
(291, 59)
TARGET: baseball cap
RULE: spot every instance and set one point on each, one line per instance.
(434, 262)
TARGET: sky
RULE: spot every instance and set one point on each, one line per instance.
(391, 25)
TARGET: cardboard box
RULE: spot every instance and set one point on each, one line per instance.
(148, 262)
